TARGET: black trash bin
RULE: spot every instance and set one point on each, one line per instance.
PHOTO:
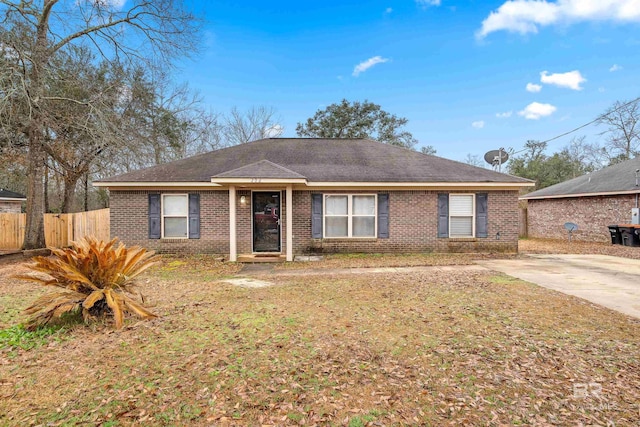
(616, 237)
(630, 236)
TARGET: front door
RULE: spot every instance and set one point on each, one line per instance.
(266, 221)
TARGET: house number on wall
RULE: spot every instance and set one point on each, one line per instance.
(254, 180)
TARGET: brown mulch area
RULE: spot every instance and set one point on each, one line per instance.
(429, 348)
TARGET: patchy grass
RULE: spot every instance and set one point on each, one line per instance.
(433, 348)
(553, 246)
(201, 267)
(18, 337)
(359, 260)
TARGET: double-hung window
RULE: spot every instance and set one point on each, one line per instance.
(461, 215)
(349, 215)
(175, 216)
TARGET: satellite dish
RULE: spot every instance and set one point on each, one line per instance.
(493, 157)
(496, 158)
(570, 226)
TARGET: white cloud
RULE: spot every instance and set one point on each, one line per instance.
(365, 65)
(427, 3)
(273, 131)
(570, 80)
(535, 110)
(478, 125)
(615, 67)
(526, 16)
(116, 4)
(504, 115)
(534, 88)
(388, 10)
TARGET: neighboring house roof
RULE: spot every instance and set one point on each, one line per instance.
(616, 179)
(11, 195)
(316, 160)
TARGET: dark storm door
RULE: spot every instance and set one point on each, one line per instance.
(266, 221)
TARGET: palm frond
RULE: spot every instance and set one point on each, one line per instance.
(114, 303)
(137, 309)
(94, 297)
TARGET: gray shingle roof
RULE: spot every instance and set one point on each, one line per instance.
(620, 178)
(261, 169)
(319, 160)
(6, 194)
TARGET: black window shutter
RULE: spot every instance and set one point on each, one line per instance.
(481, 215)
(154, 216)
(194, 216)
(316, 216)
(443, 215)
(383, 216)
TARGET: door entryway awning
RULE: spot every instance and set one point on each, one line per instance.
(262, 172)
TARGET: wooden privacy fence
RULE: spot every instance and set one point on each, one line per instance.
(59, 229)
(12, 230)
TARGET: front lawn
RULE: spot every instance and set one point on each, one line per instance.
(430, 348)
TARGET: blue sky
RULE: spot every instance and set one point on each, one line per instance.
(458, 70)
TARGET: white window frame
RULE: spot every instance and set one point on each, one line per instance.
(350, 215)
(473, 215)
(162, 215)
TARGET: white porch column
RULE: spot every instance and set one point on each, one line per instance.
(233, 247)
(289, 222)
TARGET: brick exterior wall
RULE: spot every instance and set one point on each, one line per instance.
(546, 217)
(413, 221)
(7, 206)
(130, 222)
(413, 226)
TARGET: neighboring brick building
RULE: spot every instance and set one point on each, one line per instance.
(593, 202)
(346, 196)
(11, 202)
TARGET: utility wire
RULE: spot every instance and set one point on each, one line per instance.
(602, 116)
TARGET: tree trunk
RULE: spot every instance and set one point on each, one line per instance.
(46, 188)
(34, 227)
(34, 231)
(86, 192)
(70, 182)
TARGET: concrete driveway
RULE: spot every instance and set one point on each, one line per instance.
(602, 279)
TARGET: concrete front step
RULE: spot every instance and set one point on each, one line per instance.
(260, 258)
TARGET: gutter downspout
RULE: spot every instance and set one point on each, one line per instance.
(637, 171)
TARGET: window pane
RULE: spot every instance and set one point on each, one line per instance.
(336, 205)
(336, 226)
(461, 227)
(364, 226)
(175, 227)
(364, 205)
(460, 205)
(174, 205)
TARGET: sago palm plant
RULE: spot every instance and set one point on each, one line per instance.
(96, 278)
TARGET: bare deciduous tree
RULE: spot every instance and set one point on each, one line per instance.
(623, 130)
(33, 33)
(255, 123)
(475, 160)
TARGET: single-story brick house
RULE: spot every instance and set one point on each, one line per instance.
(10, 201)
(298, 195)
(592, 201)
